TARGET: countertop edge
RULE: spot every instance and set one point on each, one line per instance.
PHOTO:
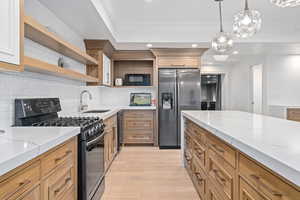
(283, 170)
(37, 150)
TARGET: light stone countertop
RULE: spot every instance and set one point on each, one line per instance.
(21, 144)
(272, 142)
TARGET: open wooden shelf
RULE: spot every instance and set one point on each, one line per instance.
(35, 65)
(123, 67)
(41, 35)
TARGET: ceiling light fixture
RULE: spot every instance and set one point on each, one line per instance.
(286, 3)
(148, 1)
(194, 45)
(221, 58)
(223, 42)
(235, 52)
(247, 22)
(149, 45)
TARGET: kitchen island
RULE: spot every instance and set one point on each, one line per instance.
(237, 155)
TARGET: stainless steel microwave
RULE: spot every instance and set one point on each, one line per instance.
(137, 80)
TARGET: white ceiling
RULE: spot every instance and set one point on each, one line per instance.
(130, 24)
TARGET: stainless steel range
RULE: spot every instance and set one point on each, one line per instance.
(44, 112)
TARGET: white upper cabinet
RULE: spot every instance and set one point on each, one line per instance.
(10, 31)
(106, 70)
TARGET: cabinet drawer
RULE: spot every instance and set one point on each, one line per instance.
(293, 114)
(223, 150)
(60, 182)
(199, 179)
(188, 162)
(179, 62)
(34, 194)
(141, 124)
(212, 194)
(198, 133)
(265, 182)
(199, 155)
(20, 182)
(138, 114)
(58, 156)
(188, 143)
(69, 195)
(248, 193)
(136, 137)
(221, 174)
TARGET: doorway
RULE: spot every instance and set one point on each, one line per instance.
(211, 89)
(257, 88)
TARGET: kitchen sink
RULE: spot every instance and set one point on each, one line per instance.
(97, 111)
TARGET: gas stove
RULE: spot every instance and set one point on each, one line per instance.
(90, 126)
(43, 112)
(91, 169)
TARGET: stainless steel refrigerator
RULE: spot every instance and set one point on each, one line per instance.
(179, 89)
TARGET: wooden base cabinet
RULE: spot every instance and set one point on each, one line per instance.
(110, 140)
(51, 176)
(221, 172)
(138, 127)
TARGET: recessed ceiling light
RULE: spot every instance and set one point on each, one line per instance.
(194, 45)
(149, 45)
(148, 1)
(235, 52)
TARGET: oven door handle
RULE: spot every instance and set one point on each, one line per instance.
(94, 141)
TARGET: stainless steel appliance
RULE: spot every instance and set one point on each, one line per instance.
(44, 112)
(179, 89)
(211, 92)
(140, 99)
(137, 80)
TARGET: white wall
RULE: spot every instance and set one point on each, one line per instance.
(26, 84)
(106, 96)
(281, 78)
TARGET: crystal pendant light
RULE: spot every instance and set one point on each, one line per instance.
(247, 22)
(223, 41)
(286, 3)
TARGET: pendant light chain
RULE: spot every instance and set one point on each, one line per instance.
(221, 16)
(246, 5)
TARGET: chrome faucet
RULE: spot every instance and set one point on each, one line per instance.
(83, 107)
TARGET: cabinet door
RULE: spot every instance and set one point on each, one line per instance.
(248, 193)
(106, 70)
(58, 184)
(34, 194)
(10, 20)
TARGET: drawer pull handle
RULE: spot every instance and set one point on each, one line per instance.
(259, 182)
(22, 185)
(62, 157)
(199, 151)
(187, 157)
(221, 179)
(199, 178)
(218, 148)
(62, 186)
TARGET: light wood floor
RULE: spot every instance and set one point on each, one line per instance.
(147, 173)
